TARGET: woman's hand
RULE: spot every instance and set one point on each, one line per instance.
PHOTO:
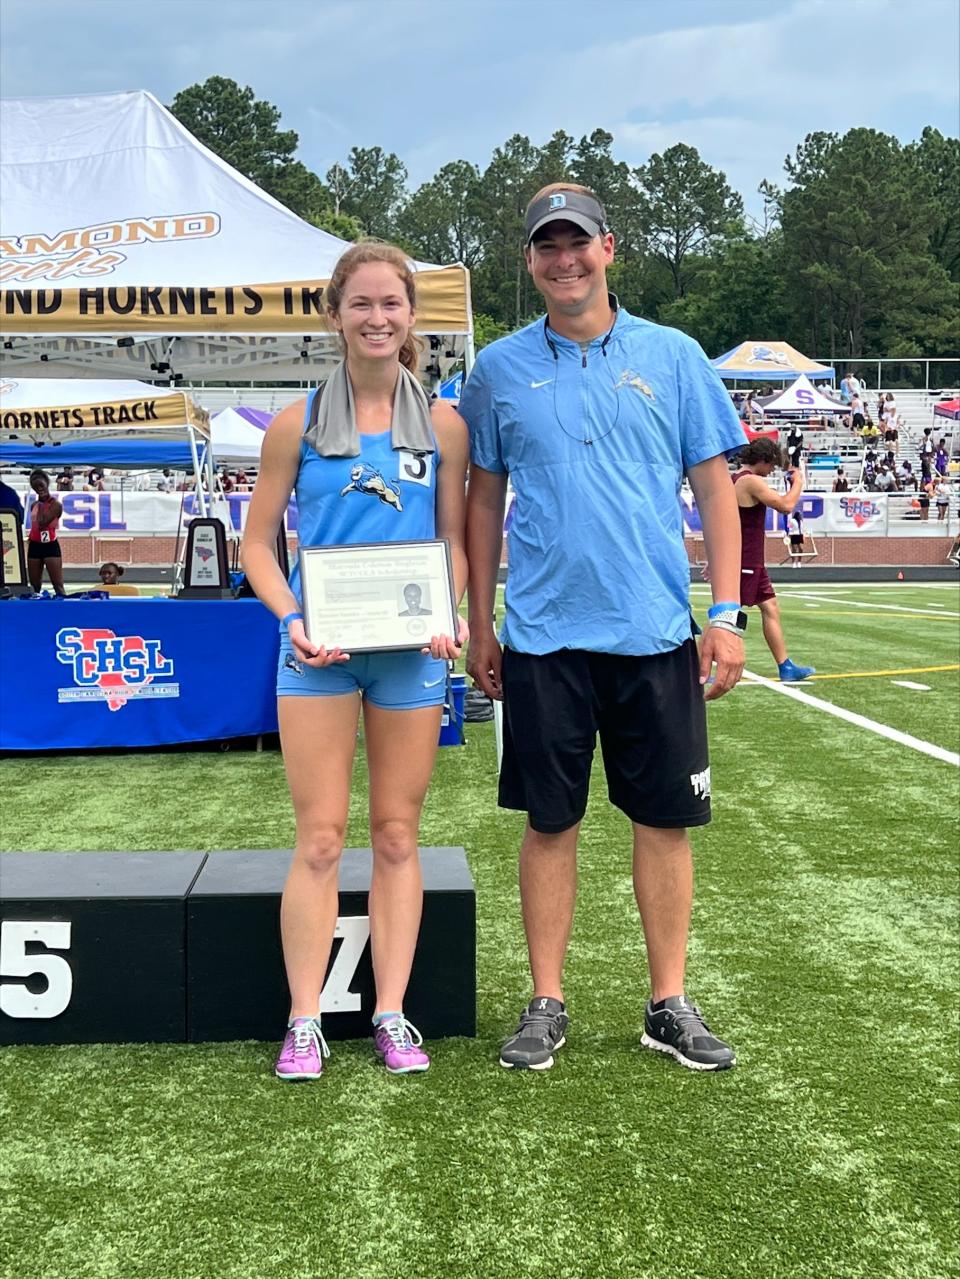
(309, 653)
(445, 648)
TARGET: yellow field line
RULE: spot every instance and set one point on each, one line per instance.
(907, 670)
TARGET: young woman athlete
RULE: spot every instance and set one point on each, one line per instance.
(373, 419)
(42, 545)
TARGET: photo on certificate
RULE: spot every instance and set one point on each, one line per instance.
(378, 596)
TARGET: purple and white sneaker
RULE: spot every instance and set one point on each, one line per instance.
(303, 1051)
(398, 1042)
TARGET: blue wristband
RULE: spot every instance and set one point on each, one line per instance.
(716, 609)
(298, 617)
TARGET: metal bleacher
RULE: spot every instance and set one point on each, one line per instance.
(269, 398)
(915, 409)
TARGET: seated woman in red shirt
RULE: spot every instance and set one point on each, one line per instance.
(42, 545)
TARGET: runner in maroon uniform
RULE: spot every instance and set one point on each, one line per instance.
(754, 495)
(43, 547)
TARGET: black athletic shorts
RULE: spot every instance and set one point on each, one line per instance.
(44, 550)
(651, 717)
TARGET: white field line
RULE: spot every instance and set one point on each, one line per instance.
(860, 721)
(893, 608)
(908, 683)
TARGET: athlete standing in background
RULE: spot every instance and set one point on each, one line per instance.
(758, 460)
(42, 545)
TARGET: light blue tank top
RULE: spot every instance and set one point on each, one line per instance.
(382, 495)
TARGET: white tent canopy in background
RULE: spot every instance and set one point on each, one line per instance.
(128, 248)
(234, 439)
(802, 396)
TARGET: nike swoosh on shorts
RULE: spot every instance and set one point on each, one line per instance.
(432, 683)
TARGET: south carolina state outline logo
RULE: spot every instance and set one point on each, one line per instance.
(112, 668)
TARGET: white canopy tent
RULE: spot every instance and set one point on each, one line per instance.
(112, 417)
(130, 249)
(802, 396)
(234, 439)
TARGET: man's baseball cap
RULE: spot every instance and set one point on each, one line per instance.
(584, 211)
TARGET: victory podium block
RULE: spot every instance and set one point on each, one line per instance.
(179, 946)
(93, 947)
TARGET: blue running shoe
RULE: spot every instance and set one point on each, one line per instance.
(790, 674)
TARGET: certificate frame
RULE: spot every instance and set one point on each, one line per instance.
(378, 597)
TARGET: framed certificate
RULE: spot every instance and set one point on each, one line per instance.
(377, 596)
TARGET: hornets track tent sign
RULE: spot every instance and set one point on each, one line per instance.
(48, 409)
(768, 362)
(127, 248)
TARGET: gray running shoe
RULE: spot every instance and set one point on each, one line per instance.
(676, 1027)
(543, 1024)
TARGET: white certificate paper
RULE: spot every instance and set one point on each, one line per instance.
(378, 596)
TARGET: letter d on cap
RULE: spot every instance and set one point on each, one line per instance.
(558, 201)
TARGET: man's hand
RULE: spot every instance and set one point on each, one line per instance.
(484, 657)
(724, 650)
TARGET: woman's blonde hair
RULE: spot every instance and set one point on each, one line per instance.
(360, 255)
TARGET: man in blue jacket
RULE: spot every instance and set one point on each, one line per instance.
(595, 415)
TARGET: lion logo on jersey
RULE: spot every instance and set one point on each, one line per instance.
(365, 479)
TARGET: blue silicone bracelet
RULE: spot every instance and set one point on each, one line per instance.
(291, 617)
(716, 609)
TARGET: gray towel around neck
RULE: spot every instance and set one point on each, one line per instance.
(333, 431)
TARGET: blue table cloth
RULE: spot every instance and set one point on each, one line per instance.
(78, 674)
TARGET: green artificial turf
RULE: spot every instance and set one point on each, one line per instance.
(824, 945)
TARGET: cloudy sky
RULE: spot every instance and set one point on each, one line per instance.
(436, 80)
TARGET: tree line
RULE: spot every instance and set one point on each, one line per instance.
(856, 254)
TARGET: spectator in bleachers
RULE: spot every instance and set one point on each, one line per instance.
(753, 410)
(940, 459)
(858, 417)
(927, 447)
(927, 487)
(941, 494)
(794, 444)
(226, 481)
(886, 481)
(65, 480)
(243, 484)
(907, 477)
(846, 393)
(841, 484)
(94, 482)
(870, 431)
(166, 483)
(870, 469)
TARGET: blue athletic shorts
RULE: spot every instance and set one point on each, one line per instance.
(395, 681)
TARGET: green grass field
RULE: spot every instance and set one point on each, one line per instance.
(824, 945)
